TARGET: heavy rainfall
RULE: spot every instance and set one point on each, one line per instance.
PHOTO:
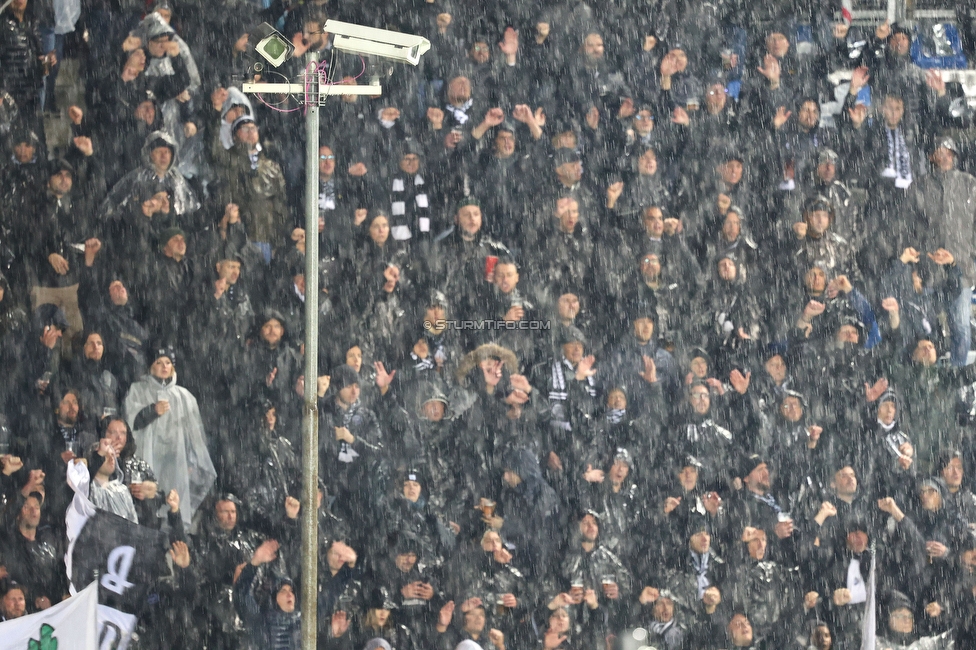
(642, 324)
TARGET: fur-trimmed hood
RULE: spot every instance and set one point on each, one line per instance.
(487, 351)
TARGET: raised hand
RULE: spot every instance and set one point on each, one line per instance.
(649, 373)
(669, 65)
(942, 257)
(493, 117)
(181, 554)
(584, 369)
(446, 614)
(770, 68)
(218, 97)
(470, 604)
(781, 117)
(739, 381)
(344, 435)
(877, 390)
(509, 44)
(859, 79)
(934, 80)
(649, 595)
(265, 553)
(712, 501)
(339, 624)
(84, 144)
(436, 117)
(292, 507)
(593, 475)
(680, 116)
(858, 114)
(593, 118)
(812, 309)
(383, 378)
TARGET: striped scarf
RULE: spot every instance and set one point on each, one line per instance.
(559, 392)
(460, 113)
(899, 159)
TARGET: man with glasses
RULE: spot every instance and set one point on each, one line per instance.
(255, 183)
(341, 204)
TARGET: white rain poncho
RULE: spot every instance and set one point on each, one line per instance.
(173, 444)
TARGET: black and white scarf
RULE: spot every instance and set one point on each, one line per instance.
(327, 195)
(899, 159)
(769, 500)
(700, 563)
(460, 113)
(402, 215)
(659, 628)
(559, 392)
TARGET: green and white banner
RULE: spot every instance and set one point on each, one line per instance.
(69, 625)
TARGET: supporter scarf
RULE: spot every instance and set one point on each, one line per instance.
(327, 195)
(899, 159)
(558, 390)
(460, 113)
(422, 364)
(614, 416)
(660, 628)
(346, 453)
(700, 563)
(769, 500)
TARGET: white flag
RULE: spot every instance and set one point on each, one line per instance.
(69, 625)
(869, 625)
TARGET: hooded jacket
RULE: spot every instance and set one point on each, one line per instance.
(270, 627)
(257, 185)
(531, 510)
(183, 200)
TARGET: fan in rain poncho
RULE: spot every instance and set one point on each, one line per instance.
(158, 172)
(167, 428)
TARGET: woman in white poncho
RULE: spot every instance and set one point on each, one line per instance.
(168, 431)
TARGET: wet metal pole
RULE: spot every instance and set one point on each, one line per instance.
(310, 423)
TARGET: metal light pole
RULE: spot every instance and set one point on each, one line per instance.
(310, 423)
(312, 91)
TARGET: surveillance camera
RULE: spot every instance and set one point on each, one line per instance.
(368, 41)
(270, 44)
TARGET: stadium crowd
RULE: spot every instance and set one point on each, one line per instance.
(617, 329)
